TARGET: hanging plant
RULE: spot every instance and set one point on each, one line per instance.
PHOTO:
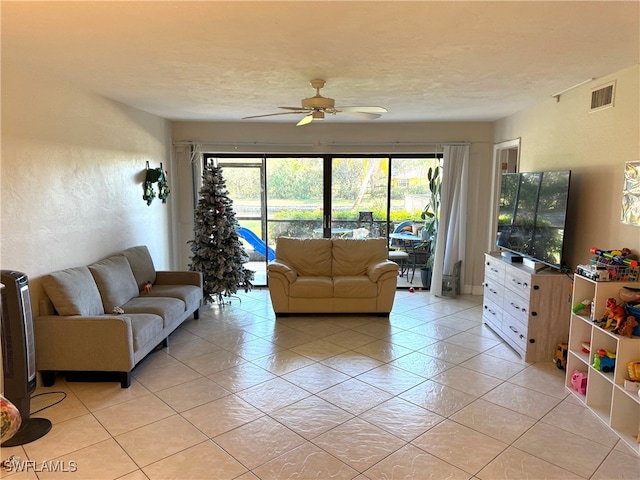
(163, 186)
(149, 192)
(156, 175)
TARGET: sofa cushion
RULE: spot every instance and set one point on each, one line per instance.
(311, 287)
(170, 309)
(353, 257)
(354, 287)
(309, 256)
(144, 327)
(141, 265)
(189, 294)
(73, 292)
(115, 281)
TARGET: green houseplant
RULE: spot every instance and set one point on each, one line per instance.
(430, 215)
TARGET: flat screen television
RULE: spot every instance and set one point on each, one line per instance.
(533, 214)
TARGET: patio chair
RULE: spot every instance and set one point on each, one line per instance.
(366, 217)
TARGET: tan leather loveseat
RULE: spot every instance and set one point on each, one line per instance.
(332, 275)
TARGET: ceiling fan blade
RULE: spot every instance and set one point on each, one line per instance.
(364, 115)
(305, 120)
(295, 108)
(272, 114)
(370, 109)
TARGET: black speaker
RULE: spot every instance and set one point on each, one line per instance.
(19, 355)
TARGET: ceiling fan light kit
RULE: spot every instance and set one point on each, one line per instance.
(314, 108)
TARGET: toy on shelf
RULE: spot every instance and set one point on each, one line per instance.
(604, 360)
(616, 257)
(613, 312)
(561, 355)
(626, 327)
(611, 265)
(579, 382)
(633, 310)
(586, 347)
(583, 308)
(593, 272)
(632, 384)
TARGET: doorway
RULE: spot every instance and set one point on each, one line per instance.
(506, 159)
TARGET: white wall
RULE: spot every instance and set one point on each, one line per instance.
(337, 138)
(72, 168)
(595, 146)
(72, 171)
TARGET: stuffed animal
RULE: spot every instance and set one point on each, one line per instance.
(147, 287)
(626, 327)
(614, 312)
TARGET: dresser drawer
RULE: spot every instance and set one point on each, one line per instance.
(518, 281)
(494, 269)
(492, 314)
(493, 291)
(515, 305)
(514, 330)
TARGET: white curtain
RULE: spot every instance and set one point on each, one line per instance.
(452, 232)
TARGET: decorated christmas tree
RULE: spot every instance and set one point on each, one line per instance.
(216, 247)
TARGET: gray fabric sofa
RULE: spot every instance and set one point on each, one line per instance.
(79, 329)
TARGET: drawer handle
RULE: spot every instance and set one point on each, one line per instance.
(489, 310)
(493, 291)
(494, 270)
(516, 281)
(522, 309)
(513, 329)
(521, 337)
(525, 285)
(534, 314)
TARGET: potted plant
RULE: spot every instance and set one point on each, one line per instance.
(430, 216)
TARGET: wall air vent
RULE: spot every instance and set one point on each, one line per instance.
(602, 97)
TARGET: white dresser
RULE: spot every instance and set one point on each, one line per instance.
(528, 309)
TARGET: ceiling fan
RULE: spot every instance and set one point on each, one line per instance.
(315, 108)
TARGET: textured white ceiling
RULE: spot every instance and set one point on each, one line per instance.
(422, 60)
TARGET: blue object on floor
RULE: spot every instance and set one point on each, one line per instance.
(257, 243)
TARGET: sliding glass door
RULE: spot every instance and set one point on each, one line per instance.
(359, 196)
(323, 196)
(244, 178)
(295, 197)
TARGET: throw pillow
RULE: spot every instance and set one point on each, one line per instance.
(141, 265)
(115, 281)
(73, 292)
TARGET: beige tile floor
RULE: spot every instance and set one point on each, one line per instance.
(430, 393)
